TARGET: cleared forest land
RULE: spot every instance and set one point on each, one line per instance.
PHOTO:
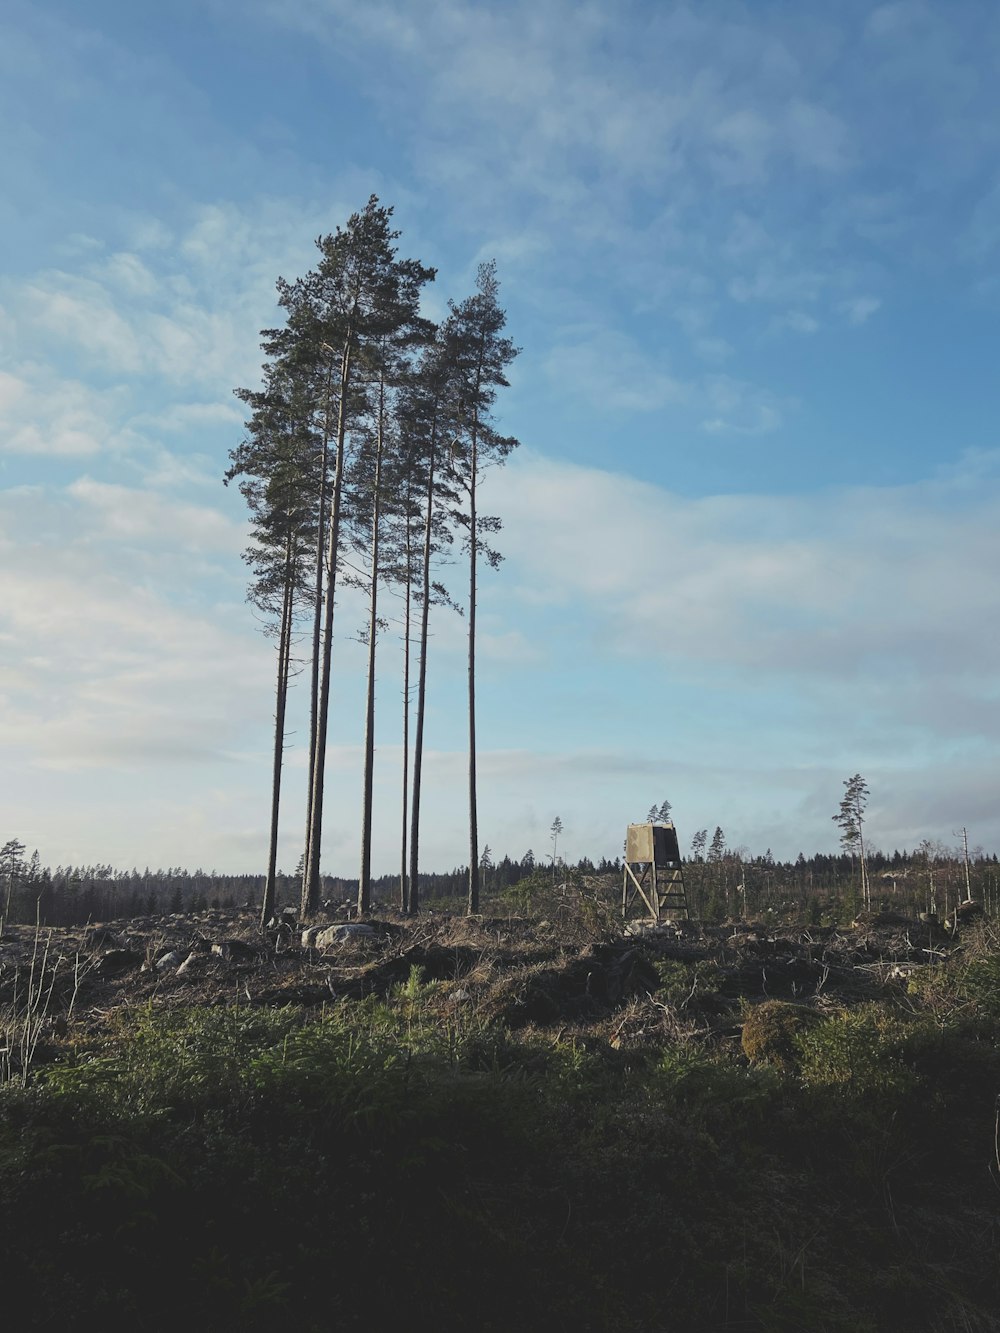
(511, 1121)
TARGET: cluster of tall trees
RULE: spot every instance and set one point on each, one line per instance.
(361, 464)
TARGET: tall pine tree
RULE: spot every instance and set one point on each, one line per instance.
(429, 425)
(274, 464)
(481, 355)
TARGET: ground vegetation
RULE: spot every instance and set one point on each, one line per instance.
(536, 1117)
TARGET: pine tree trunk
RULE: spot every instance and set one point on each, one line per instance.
(284, 657)
(473, 906)
(404, 888)
(364, 878)
(321, 536)
(311, 880)
(418, 745)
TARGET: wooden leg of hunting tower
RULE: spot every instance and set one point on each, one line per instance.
(640, 887)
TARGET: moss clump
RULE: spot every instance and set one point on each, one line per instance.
(771, 1031)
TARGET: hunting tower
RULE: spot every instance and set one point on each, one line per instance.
(653, 872)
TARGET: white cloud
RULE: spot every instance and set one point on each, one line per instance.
(613, 372)
(43, 415)
(860, 308)
(80, 243)
(864, 606)
(892, 19)
(509, 646)
(798, 322)
(185, 418)
(127, 273)
(740, 409)
(713, 349)
(183, 308)
(111, 668)
(125, 513)
(748, 140)
(584, 116)
(875, 594)
(12, 392)
(79, 311)
(775, 281)
(817, 137)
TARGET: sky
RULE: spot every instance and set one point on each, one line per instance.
(750, 255)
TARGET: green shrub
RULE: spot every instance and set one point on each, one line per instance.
(675, 980)
(583, 907)
(953, 989)
(977, 985)
(933, 987)
(771, 1031)
(861, 1050)
(681, 982)
(536, 887)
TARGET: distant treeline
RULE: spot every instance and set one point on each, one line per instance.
(722, 884)
(933, 878)
(68, 895)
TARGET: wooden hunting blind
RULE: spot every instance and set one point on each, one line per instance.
(653, 872)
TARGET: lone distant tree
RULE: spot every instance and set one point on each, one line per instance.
(850, 819)
(11, 867)
(556, 829)
(659, 814)
(717, 848)
(716, 858)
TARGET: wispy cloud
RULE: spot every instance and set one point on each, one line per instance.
(741, 409)
(734, 181)
(582, 114)
(123, 513)
(42, 414)
(112, 667)
(887, 589)
(860, 308)
(614, 373)
(181, 308)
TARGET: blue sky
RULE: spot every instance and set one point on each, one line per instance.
(750, 254)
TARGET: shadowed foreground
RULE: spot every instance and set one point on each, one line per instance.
(506, 1124)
